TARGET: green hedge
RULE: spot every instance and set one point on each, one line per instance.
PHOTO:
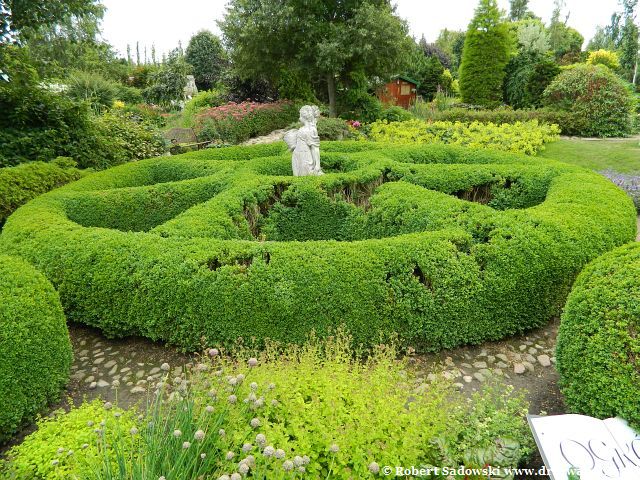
(598, 348)
(439, 244)
(20, 184)
(35, 351)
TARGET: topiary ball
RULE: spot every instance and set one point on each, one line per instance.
(35, 351)
(598, 352)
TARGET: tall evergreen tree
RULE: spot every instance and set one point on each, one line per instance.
(487, 48)
(128, 54)
(137, 53)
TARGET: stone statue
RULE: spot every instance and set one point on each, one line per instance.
(305, 144)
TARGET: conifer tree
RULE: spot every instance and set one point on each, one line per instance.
(487, 48)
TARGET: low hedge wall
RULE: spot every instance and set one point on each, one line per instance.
(598, 352)
(20, 184)
(438, 244)
(35, 351)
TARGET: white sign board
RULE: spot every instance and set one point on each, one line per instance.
(599, 449)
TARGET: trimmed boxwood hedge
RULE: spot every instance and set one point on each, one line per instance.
(20, 184)
(35, 351)
(440, 245)
(598, 349)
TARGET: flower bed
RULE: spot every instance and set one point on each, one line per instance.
(440, 245)
(236, 122)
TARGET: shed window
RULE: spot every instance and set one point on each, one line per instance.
(405, 90)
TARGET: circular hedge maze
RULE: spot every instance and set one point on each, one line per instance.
(435, 244)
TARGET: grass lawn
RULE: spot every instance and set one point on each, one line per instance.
(620, 154)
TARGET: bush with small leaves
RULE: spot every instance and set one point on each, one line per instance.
(440, 244)
(35, 351)
(598, 348)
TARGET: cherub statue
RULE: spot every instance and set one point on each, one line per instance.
(305, 143)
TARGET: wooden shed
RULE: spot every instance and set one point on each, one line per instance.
(401, 91)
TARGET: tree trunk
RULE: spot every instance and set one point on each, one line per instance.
(331, 88)
(635, 70)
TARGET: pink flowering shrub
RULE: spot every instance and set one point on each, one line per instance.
(237, 122)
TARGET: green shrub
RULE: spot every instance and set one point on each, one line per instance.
(237, 122)
(395, 113)
(329, 128)
(359, 104)
(527, 138)
(20, 184)
(118, 137)
(598, 348)
(604, 57)
(487, 48)
(67, 444)
(35, 351)
(92, 88)
(441, 244)
(322, 409)
(599, 102)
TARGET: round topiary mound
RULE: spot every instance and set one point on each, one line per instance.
(597, 100)
(35, 351)
(437, 244)
(598, 348)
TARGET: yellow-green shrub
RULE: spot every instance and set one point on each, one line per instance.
(519, 137)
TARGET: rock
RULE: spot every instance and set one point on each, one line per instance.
(478, 376)
(125, 370)
(79, 375)
(98, 361)
(89, 379)
(103, 383)
(113, 370)
(465, 365)
(480, 364)
(553, 360)
(544, 360)
(154, 370)
(93, 385)
(532, 351)
(528, 366)
(140, 374)
(83, 353)
(110, 364)
(519, 368)
(491, 359)
(501, 365)
(530, 358)
(485, 372)
(503, 357)
(467, 378)
(523, 348)
(138, 389)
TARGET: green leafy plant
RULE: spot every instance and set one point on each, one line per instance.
(527, 137)
(92, 88)
(20, 184)
(35, 351)
(598, 344)
(599, 102)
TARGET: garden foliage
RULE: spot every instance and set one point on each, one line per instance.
(598, 348)
(237, 122)
(487, 48)
(598, 101)
(314, 412)
(518, 137)
(441, 244)
(35, 351)
(20, 184)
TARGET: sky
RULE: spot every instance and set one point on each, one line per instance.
(166, 22)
